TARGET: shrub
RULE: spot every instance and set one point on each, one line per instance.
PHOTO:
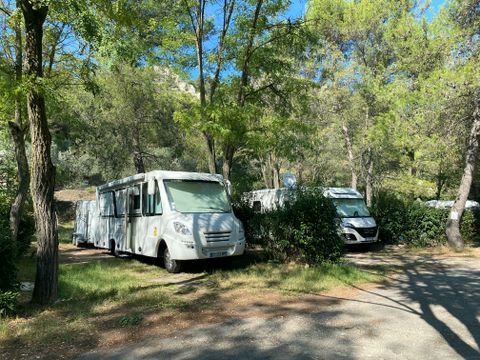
(413, 223)
(304, 229)
(26, 229)
(8, 303)
(7, 258)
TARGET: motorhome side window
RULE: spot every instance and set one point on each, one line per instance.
(257, 206)
(106, 204)
(152, 203)
(135, 204)
(120, 202)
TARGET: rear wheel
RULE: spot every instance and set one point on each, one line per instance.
(172, 266)
(113, 248)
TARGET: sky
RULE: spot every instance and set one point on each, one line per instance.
(297, 8)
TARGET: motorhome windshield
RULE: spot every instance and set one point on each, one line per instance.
(187, 196)
(347, 208)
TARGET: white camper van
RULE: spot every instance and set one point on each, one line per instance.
(356, 225)
(171, 215)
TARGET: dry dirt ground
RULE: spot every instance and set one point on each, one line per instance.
(428, 309)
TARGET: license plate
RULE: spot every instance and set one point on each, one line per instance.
(218, 253)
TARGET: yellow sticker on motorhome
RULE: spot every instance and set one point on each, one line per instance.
(154, 231)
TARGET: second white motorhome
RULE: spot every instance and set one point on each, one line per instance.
(174, 216)
(356, 225)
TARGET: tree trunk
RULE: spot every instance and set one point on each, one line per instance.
(228, 152)
(244, 78)
(454, 237)
(198, 22)
(137, 153)
(275, 171)
(369, 179)
(212, 161)
(18, 137)
(266, 170)
(17, 131)
(43, 171)
(411, 158)
(441, 179)
(351, 159)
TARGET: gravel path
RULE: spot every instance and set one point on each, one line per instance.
(430, 309)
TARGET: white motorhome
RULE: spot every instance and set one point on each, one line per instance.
(170, 215)
(356, 225)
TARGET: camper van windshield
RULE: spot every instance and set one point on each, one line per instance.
(347, 208)
(188, 196)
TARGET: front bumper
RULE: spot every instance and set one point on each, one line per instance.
(351, 236)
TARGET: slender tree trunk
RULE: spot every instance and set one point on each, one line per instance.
(17, 131)
(411, 158)
(212, 161)
(351, 158)
(441, 179)
(455, 239)
(275, 171)
(43, 171)
(227, 15)
(198, 22)
(369, 179)
(228, 153)
(244, 78)
(266, 170)
(137, 152)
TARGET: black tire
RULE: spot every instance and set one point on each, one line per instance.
(113, 248)
(172, 266)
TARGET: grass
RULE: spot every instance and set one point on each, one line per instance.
(294, 278)
(65, 232)
(94, 298)
(114, 298)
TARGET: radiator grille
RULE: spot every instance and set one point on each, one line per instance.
(217, 236)
(367, 232)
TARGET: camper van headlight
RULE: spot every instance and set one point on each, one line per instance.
(348, 225)
(181, 228)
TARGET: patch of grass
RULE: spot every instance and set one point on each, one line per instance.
(295, 278)
(65, 231)
(93, 297)
(27, 265)
(115, 298)
(130, 320)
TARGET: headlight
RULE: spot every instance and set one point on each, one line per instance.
(181, 228)
(348, 225)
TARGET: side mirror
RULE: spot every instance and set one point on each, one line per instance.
(228, 186)
(151, 187)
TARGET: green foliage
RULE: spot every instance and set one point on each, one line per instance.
(411, 222)
(7, 195)
(8, 268)
(304, 229)
(8, 303)
(129, 320)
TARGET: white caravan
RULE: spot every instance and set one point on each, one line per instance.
(169, 215)
(356, 225)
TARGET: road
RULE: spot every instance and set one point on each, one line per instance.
(429, 309)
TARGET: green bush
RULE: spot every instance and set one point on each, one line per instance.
(8, 269)
(8, 303)
(26, 229)
(304, 229)
(411, 222)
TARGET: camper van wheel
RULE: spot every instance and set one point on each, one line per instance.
(172, 266)
(113, 249)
